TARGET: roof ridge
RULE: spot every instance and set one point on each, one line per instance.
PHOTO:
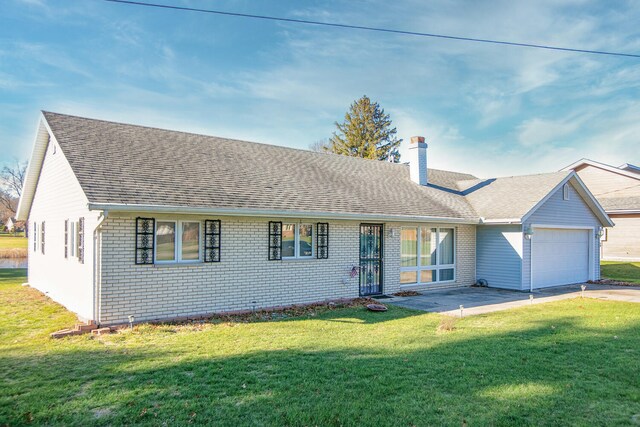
(214, 136)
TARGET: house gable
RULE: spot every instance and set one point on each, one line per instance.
(55, 199)
(605, 183)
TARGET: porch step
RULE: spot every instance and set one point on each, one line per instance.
(79, 328)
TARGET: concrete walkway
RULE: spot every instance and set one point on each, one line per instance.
(487, 300)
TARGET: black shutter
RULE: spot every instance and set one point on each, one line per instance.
(145, 229)
(81, 240)
(212, 233)
(66, 238)
(275, 240)
(42, 238)
(322, 240)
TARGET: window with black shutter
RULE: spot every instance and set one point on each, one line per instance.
(145, 240)
(66, 238)
(275, 240)
(322, 240)
(81, 240)
(212, 232)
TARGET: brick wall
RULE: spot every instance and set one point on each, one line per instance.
(244, 278)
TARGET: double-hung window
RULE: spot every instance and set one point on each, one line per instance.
(297, 240)
(177, 241)
(427, 255)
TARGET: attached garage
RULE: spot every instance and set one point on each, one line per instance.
(560, 256)
(553, 242)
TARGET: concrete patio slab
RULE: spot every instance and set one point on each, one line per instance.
(487, 300)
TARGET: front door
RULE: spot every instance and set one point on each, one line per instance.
(370, 259)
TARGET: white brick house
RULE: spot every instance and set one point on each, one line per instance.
(129, 220)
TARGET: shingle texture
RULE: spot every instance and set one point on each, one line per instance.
(510, 197)
(127, 164)
(620, 203)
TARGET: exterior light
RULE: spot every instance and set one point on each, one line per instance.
(531, 298)
(461, 310)
(131, 319)
(600, 232)
(583, 287)
(528, 233)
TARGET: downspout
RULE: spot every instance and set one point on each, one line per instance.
(530, 263)
(97, 265)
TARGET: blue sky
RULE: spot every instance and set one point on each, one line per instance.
(484, 109)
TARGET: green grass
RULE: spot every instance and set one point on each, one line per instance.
(574, 362)
(622, 271)
(8, 241)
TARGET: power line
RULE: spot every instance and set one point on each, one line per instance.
(383, 30)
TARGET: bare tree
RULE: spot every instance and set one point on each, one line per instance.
(11, 183)
(320, 146)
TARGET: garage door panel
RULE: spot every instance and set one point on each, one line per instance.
(559, 257)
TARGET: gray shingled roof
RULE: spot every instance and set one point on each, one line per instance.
(134, 165)
(126, 164)
(510, 197)
(619, 203)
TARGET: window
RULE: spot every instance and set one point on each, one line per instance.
(35, 237)
(72, 238)
(427, 255)
(565, 192)
(297, 240)
(177, 241)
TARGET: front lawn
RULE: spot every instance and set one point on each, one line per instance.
(574, 362)
(9, 241)
(622, 271)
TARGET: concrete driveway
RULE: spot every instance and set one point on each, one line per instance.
(487, 300)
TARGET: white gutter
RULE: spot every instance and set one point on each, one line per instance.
(97, 267)
(623, 211)
(501, 221)
(113, 207)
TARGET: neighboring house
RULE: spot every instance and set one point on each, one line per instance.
(12, 225)
(618, 191)
(136, 221)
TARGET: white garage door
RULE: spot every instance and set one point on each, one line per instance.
(560, 257)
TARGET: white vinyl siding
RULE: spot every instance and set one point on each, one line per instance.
(57, 198)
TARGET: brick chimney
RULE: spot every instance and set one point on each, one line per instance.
(418, 160)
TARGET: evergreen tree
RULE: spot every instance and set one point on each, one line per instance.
(366, 132)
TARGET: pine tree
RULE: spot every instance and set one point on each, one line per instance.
(366, 132)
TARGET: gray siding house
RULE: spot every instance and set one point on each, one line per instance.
(157, 224)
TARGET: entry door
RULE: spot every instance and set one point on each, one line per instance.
(560, 257)
(370, 259)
